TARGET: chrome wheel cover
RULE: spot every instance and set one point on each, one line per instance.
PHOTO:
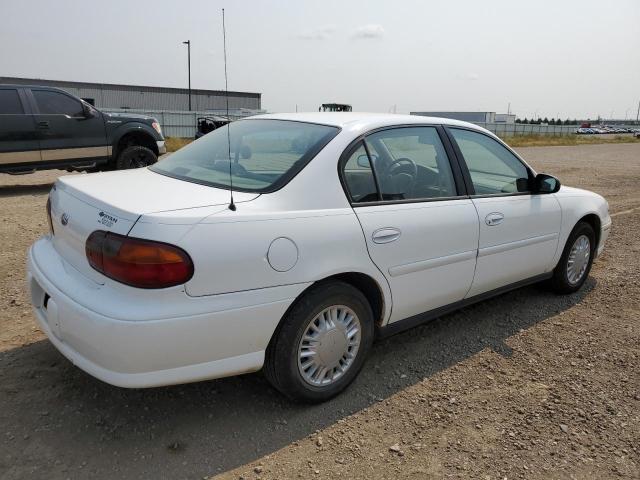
(578, 260)
(329, 345)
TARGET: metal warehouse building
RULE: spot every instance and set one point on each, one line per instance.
(112, 96)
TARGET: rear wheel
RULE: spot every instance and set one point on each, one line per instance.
(322, 343)
(575, 264)
(135, 156)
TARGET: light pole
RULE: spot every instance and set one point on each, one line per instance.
(188, 44)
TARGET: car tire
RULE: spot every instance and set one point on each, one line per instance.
(135, 156)
(573, 267)
(286, 360)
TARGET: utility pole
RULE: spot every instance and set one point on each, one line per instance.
(638, 114)
(188, 44)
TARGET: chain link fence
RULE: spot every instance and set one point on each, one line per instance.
(513, 129)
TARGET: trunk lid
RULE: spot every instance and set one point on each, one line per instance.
(114, 201)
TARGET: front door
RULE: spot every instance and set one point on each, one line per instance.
(18, 137)
(421, 232)
(518, 230)
(66, 133)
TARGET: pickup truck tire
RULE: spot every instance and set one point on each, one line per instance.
(135, 156)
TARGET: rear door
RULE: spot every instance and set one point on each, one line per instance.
(66, 134)
(518, 230)
(18, 137)
(420, 228)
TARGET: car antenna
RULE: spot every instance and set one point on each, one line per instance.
(232, 206)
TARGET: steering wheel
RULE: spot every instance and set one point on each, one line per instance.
(397, 164)
(399, 161)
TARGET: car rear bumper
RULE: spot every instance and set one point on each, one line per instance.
(153, 352)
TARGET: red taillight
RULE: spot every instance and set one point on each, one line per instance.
(137, 262)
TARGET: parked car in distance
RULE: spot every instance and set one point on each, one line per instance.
(45, 128)
(343, 228)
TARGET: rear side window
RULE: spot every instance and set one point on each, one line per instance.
(55, 103)
(359, 178)
(493, 168)
(411, 163)
(10, 102)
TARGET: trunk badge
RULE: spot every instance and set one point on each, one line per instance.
(64, 219)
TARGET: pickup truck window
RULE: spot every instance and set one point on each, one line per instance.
(10, 102)
(54, 103)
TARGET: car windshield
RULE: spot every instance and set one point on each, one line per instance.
(265, 154)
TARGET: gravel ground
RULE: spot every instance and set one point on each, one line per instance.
(526, 385)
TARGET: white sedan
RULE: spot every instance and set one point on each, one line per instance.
(290, 242)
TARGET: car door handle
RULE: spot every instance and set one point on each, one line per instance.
(43, 125)
(385, 235)
(493, 219)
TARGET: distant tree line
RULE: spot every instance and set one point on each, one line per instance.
(553, 121)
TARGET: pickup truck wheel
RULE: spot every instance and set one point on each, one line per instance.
(135, 157)
(574, 265)
(322, 343)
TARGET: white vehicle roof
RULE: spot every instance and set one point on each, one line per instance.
(363, 120)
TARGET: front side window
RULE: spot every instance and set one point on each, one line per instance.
(257, 155)
(55, 103)
(411, 163)
(493, 168)
(10, 102)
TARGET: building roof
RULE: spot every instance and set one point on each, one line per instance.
(115, 86)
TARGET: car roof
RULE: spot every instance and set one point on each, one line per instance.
(349, 119)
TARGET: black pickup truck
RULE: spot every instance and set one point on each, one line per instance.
(45, 128)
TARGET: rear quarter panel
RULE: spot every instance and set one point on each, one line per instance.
(232, 254)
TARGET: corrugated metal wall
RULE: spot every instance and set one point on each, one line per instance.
(141, 97)
(117, 98)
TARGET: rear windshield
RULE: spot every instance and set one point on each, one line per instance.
(265, 154)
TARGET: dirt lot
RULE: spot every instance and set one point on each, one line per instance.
(527, 385)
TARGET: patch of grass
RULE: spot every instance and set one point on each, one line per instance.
(176, 143)
(568, 140)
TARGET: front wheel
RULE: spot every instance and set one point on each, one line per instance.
(322, 343)
(135, 156)
(575, 264)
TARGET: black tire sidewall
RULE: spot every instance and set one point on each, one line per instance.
(560, 281)
(123, 161)
(285, 348)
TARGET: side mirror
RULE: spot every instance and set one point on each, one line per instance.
(363, 160)
(544, 183)
(87, 111)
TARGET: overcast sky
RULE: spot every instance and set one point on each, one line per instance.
(575, 58)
